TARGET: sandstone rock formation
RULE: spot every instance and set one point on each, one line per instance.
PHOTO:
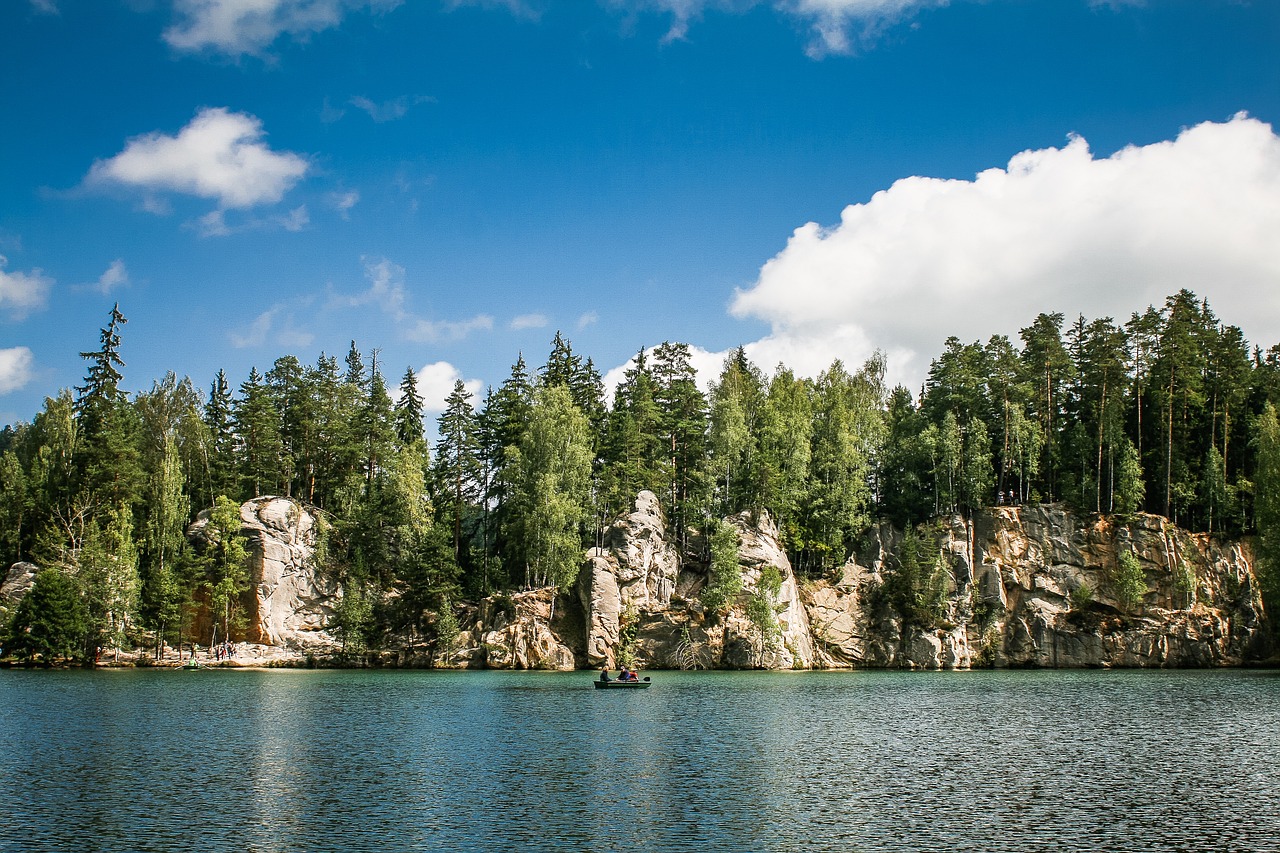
(1033, 586)
(290, 603)
(516, 632)
(16, 583)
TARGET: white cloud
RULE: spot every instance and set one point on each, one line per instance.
(388, 294)
(1058, 230)
(529, 321)
(115, 276)
(236, 27)
(343, 202)
(274, 325)
(435, 384)
(706, 364)
(296, 220)
(22, 292)
(15, 368)
(836, 26)
(588, 319)
(396, 108)
(45, 7)
(220, 155)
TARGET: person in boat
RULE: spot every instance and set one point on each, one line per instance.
(604, 674)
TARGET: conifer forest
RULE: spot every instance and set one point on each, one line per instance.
(1170, 411)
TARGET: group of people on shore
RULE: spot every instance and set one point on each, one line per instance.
(224, 651)
(624, 674)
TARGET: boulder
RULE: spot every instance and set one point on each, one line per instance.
(18, 582)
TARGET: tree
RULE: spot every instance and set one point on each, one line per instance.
(1047, 366)
(1266, 444)
(220, 424)
(762, 612)
(552, 498)
(408, 410)
(226, 576)
(847, 435)
(14, 506)
(457, 463)
(724, 580)
(736, 400)
(263, 464)
(786, 452)
(1128, 581)
(682, 424)
(1130, 487)
(107, 572)
(50, 622)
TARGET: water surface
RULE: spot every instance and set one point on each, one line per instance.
(871, 761)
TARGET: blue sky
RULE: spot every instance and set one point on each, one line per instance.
(452, 182)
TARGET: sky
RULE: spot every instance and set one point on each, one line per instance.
(451, 182)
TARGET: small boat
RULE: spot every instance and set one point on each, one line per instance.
(622, 685)
(191, 665)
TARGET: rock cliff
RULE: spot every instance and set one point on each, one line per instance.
(290, 603)
(1035, 586)
(1016, 586)
(1012, 587)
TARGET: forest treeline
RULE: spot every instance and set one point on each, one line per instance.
(1170, 412)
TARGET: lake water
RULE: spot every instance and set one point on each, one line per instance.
(868, 761)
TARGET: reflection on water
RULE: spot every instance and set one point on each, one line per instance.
(272, 762)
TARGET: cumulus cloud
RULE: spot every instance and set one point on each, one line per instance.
(1057, 230)
(529, 321)
(220, 155)
(435, 384)
(706, 364)
(387, 293)
(116, 276)
(237, 27)
(22, 292)
(15, 368)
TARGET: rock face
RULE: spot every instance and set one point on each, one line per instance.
(518, 632)
(1032, 586)
(630, 580)
(639, 603)
(15, 584)
(290, 603)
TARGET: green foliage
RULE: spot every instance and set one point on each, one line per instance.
(1081, 597)
(762, 611)
(918, 588)
(1169, 412)
(628, 631)
(50, 624)
(225, 576)
(724, 580)
(1128, 582)
(552, 479)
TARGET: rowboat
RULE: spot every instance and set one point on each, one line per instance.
(622, 685)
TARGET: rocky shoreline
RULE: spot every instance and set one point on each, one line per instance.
(1012, 587)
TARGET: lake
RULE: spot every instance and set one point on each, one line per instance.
(317, 760)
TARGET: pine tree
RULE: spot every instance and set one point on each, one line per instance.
(408, 411)
(457, 463)
(682, 424)
(263, 464)
(786, 431)
(220, 424)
